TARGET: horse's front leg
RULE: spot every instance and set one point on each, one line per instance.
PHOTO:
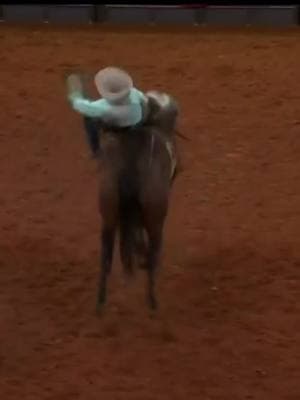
(106, 258)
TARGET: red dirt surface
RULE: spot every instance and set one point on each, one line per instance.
(229, 323)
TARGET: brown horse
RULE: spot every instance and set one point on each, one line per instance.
(137, 168)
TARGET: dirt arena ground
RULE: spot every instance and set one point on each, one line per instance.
(229, 324)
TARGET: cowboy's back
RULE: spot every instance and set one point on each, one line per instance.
(125, 113)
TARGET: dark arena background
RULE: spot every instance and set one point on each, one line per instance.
(229, 323)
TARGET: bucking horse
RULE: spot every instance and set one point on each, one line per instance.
(137, 168)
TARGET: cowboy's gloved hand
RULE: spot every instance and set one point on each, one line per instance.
(74, 87)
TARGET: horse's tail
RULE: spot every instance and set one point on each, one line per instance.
(131, 228)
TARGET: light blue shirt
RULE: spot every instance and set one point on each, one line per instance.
(126, 114)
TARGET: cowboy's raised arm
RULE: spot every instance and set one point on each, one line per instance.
(92, 109)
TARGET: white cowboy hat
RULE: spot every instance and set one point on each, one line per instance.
(113, 83)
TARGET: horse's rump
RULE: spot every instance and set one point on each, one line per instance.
(136, 176)
(137, 153)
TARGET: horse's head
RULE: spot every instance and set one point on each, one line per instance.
(161, 110)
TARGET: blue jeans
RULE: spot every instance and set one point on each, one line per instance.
(92, 128)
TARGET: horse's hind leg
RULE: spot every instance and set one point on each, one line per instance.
(141, 248)
(126, 247)
(107, 248)
(154, 249)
